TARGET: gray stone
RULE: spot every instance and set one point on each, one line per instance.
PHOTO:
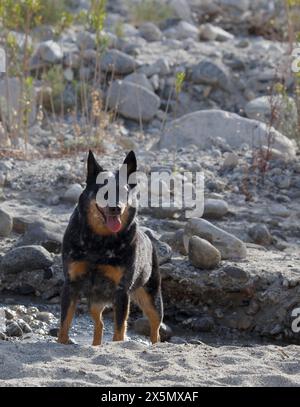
(260, 234)
(203, 128)
(160, 67)
(46, 234)
(26, 258)
(86, 40)
(203, 324)
(175, 240)
(139, 79)
(50, 51)
(45, 317)
(13, 329)
(117, 62)
(182, 31)
(73, 193)
(142, 327)
(24, 326)
(230, 162)
(6, 223)
(203, 254)
(215, 208)
(150, 32)
(229, 246)
(133, 101)
(213, 33)
(279, 210)
(210, 73)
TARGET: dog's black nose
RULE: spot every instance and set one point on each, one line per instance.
(116, 210)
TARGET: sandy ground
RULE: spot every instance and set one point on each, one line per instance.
(134, 364)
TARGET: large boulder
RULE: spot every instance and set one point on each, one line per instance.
(229, 246)
(117, 62)
(203, 254)
(50, 52)
(26, 258)
(202, 128)
(211, 73)
(132, 101)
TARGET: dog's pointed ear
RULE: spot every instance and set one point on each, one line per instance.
(93, 168)
(131, 163)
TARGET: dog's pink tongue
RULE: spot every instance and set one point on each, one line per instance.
(113, 223)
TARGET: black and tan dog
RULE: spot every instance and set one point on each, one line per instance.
(109, 260)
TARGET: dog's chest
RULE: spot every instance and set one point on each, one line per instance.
(116, 254)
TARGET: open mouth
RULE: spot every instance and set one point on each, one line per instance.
(112, 222)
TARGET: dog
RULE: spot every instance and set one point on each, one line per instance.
(109, 259)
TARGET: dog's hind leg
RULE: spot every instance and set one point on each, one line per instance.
(151, 307)
(121, 312)
(96, 313)
(149, 299)
(68, 307)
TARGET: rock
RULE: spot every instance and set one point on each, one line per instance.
(141, 327)
(235, 273)
(163, 250)
(230, 162)
(283, 181)
(181, 9)
(182, 31)
(133, 101)
(13, 329)
(150, 32)
(283, 109)
(213, 33)
(229, 246)
(50, 51)
(10, 94)
(6, 223)
(202, 254)
(26, 258)
(160, 67)
(210, 73)
(73, 193)
(203, 324)
(117, 62)
(139, 79)
(24, 326)
(45, 317)
(86, 40)
(279, 210)
(215, 208)
(175, 240)
(202, 128)
(260, 234)
(42, 233)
